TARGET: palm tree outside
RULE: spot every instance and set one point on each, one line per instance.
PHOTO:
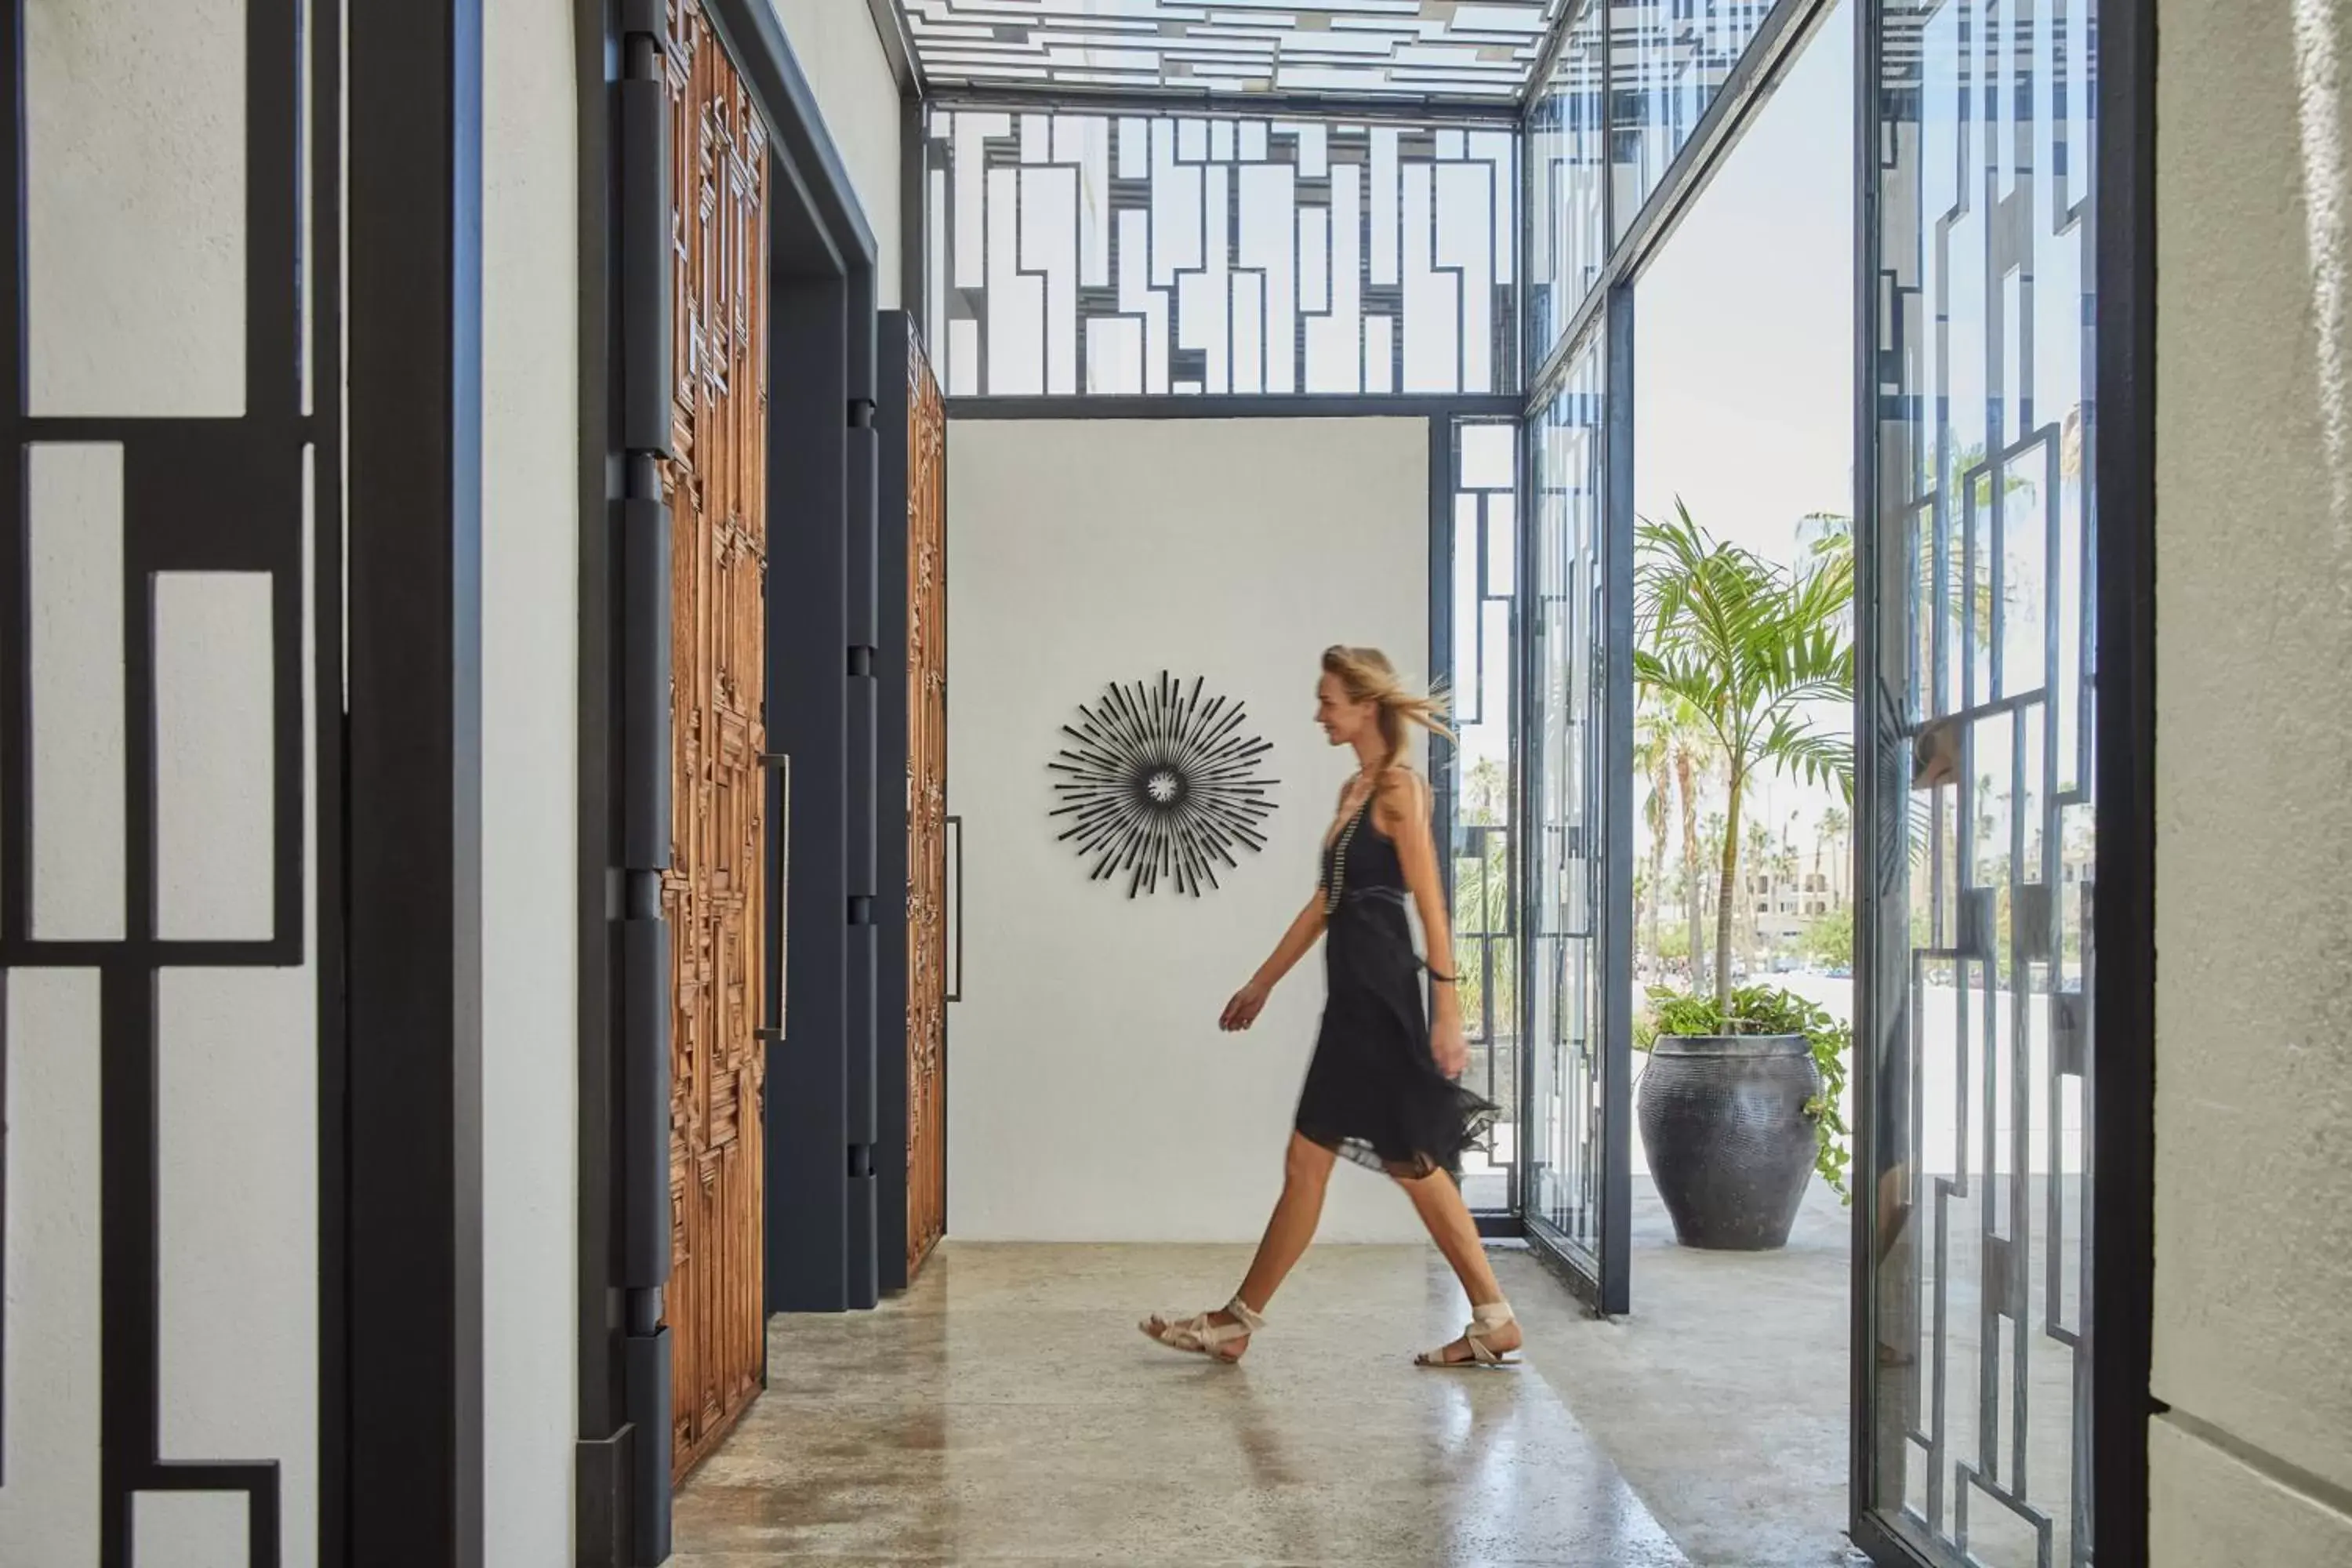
(1673, 751)
(1745, 646)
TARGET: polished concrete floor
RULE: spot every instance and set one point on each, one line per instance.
(1723, 1398)
(1007, 1411)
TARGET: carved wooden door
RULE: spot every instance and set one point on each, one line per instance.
(927, 809)
(712, 895)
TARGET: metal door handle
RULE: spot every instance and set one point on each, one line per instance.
(955, 918)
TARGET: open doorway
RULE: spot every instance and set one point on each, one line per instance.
(1861, 805)
(1744, 471)
(1737, 324)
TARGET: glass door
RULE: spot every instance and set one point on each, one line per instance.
(1973, 1024)
(1575, 1111)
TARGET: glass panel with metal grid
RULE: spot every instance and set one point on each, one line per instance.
(1564, 707)
(1977, 697)
(1567, 143)
(1619, 100)
(1485, 527)
(1668, 60)
(1094, 254)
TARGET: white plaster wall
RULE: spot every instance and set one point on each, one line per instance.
(842, 56)
(49, 1491)
(1090, 1095)
(2253, 1335)
(530, 522)
(137, 113)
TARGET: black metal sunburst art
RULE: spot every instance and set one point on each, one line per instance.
(1161, 784)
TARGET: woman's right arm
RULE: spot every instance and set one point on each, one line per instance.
(1304, 933)
(1250, 1000)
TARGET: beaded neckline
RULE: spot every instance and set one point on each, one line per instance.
(1336, 885)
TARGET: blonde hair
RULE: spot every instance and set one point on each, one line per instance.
(1366, 675)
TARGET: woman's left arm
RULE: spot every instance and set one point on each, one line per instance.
(1404, 813)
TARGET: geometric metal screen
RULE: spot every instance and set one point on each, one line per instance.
(1480, 768)
(170, 654)
(1089, 253)
(1347, 47)
(1568, 140)
(1566, 792)
(1976, 1003)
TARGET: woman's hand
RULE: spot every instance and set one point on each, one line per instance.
(1247, 1004)
(1446, 1043)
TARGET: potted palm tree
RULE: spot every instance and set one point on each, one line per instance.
(1738, 1102)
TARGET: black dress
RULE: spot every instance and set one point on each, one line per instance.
(1373, 1091)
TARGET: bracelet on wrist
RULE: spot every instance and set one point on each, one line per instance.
(1443, 978)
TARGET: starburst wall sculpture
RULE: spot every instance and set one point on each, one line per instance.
(1161, 784)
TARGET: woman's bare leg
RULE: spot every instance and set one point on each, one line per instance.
(1306, 1174)
(1438, 1200)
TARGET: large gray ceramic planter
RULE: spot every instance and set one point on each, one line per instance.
(1729, 1144)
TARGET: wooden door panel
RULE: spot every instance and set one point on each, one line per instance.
(713, 894)
(926, 805)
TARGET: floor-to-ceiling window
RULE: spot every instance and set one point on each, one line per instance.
(1573, 1165)
(1976, 599)
(1631, 105)
(1573, 1171)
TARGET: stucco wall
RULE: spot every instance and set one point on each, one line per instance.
(2254, 784)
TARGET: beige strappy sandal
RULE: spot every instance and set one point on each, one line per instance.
(1198, 1336)
(1484, 1321)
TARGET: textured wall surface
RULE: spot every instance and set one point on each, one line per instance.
(2254, 784)
(1090, 1095)
(841, 55)
(136, 243)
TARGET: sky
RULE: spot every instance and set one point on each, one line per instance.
(1744, 338)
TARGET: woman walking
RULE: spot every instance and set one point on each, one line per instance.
(1381, 1089)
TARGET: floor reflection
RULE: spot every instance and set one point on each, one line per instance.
(1006, 1410)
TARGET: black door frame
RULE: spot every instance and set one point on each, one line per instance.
(414, 771)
